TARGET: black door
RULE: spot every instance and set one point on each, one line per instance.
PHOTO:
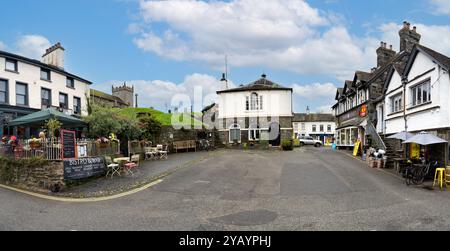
(275, 134)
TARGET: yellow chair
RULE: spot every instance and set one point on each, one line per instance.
(447, 177)
(439, 177)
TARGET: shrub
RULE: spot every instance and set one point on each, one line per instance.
(287, 145)
(264, 144)
(245, 146)
(297, 143)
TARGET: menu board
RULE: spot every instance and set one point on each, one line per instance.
(83, 168)
(68, 145)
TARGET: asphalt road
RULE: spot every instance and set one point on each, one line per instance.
(308, 189)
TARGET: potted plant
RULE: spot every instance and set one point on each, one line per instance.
(35, 143)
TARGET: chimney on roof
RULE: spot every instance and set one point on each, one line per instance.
(384, 54)
(264, 75)
(54, 56)
(408, 37)
(308, 111)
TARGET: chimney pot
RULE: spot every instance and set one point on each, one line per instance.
(390, 47)
(414, 28)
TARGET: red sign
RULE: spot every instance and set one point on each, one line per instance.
(363, 111)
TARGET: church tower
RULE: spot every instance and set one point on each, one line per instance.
(125, 93)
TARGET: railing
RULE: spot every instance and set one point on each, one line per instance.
(50, 149)
(372, 131)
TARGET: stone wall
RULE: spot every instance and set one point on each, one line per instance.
(33, 173)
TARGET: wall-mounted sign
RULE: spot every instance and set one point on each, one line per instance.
(68, 145)
(363, 111)
(83, 168)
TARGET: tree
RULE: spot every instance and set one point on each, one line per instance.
(52, 125)
(151, 128)
(102, 122)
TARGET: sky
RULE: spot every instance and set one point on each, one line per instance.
(164, 48)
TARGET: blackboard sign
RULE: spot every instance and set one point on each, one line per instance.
(83, 168)
(68, 145)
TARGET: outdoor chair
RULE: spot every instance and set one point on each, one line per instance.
(150, 153)
(164, 153)
(132, 165)
(112, 168)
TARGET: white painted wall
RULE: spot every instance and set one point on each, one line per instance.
(31, 75)
(298, 128)
(276, 103)
(430, 116)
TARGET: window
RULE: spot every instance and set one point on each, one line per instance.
(314, 128)
(63, 101)
(235, 133)
(421, 93)
(397, 103)
(46, 97)
(3, 91)
(303, 126)
(254, 102)
(322, 128)
(70, 82)
(254, 133)
(45, 74)
(261, 103)
(11, 65)
(328, 128)
(21, 94)
(247, 103)
(77, 105)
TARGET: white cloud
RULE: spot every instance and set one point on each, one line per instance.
(437, 37)
(315, 90)
(282, 34)
(324, 109)
(440, 7)
(32, 46)
(158, 93)
(2, 46)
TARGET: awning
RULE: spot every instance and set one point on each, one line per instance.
(39, 119)
(425, 139)
(401, 136)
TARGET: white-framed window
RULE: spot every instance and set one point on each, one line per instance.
(235, 133)
(254, 102)
(254, 133)
(397, 103)
(314, 128)
(303, 127)
(421, 93)
(328, 128)
(322, 128)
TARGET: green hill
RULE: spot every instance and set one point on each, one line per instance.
(164, 118)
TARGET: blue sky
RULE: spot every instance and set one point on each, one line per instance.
(168, 47)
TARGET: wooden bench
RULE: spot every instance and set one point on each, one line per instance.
(185, 145)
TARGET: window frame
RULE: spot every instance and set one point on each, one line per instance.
(16, 65)
(49, 72)
(254, 132)
(393, 103)
(314, 128)
(75, 111)
(6, 91)
(67, 100)
(49, 99)
(26, 95)
(329, 128)
(417, 95)
(235, 127)
(72, 82)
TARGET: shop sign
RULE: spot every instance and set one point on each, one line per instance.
(83, 168)
(363, 111)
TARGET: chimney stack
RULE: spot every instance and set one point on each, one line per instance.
(54, 56)
(384, 54)
(408, 37)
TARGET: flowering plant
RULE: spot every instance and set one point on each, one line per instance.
(5, 139)
(103, 140)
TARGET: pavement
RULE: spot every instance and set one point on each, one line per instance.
(306, 189)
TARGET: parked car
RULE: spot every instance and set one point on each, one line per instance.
(310, 141)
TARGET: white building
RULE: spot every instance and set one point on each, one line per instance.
(425, 92)
(319, 126)
(28, 85)
(259, 111)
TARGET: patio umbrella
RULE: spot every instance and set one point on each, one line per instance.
(425, 139)
(401, 136)
(39, 118)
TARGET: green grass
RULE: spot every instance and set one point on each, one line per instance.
(164, 118)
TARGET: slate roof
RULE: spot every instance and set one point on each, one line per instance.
(313, 117)
(444, 60)
(259, 85)
(207, 108)
(40, 64)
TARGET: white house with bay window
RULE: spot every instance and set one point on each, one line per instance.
(423, 100)
(259, 111)
(28, 85)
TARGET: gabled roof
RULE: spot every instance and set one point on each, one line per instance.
(313, 117)
(363, 76)
(339, 93)
(106, 96)
(443, 60)
(348, 87)
(259, 85)
(40, 64)
(209, 107)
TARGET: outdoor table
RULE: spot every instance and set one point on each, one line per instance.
(121, 162)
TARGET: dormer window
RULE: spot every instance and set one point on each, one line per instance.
(254, 102)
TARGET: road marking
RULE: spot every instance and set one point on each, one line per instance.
(85, 200)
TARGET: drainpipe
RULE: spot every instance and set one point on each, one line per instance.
(404, 83)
